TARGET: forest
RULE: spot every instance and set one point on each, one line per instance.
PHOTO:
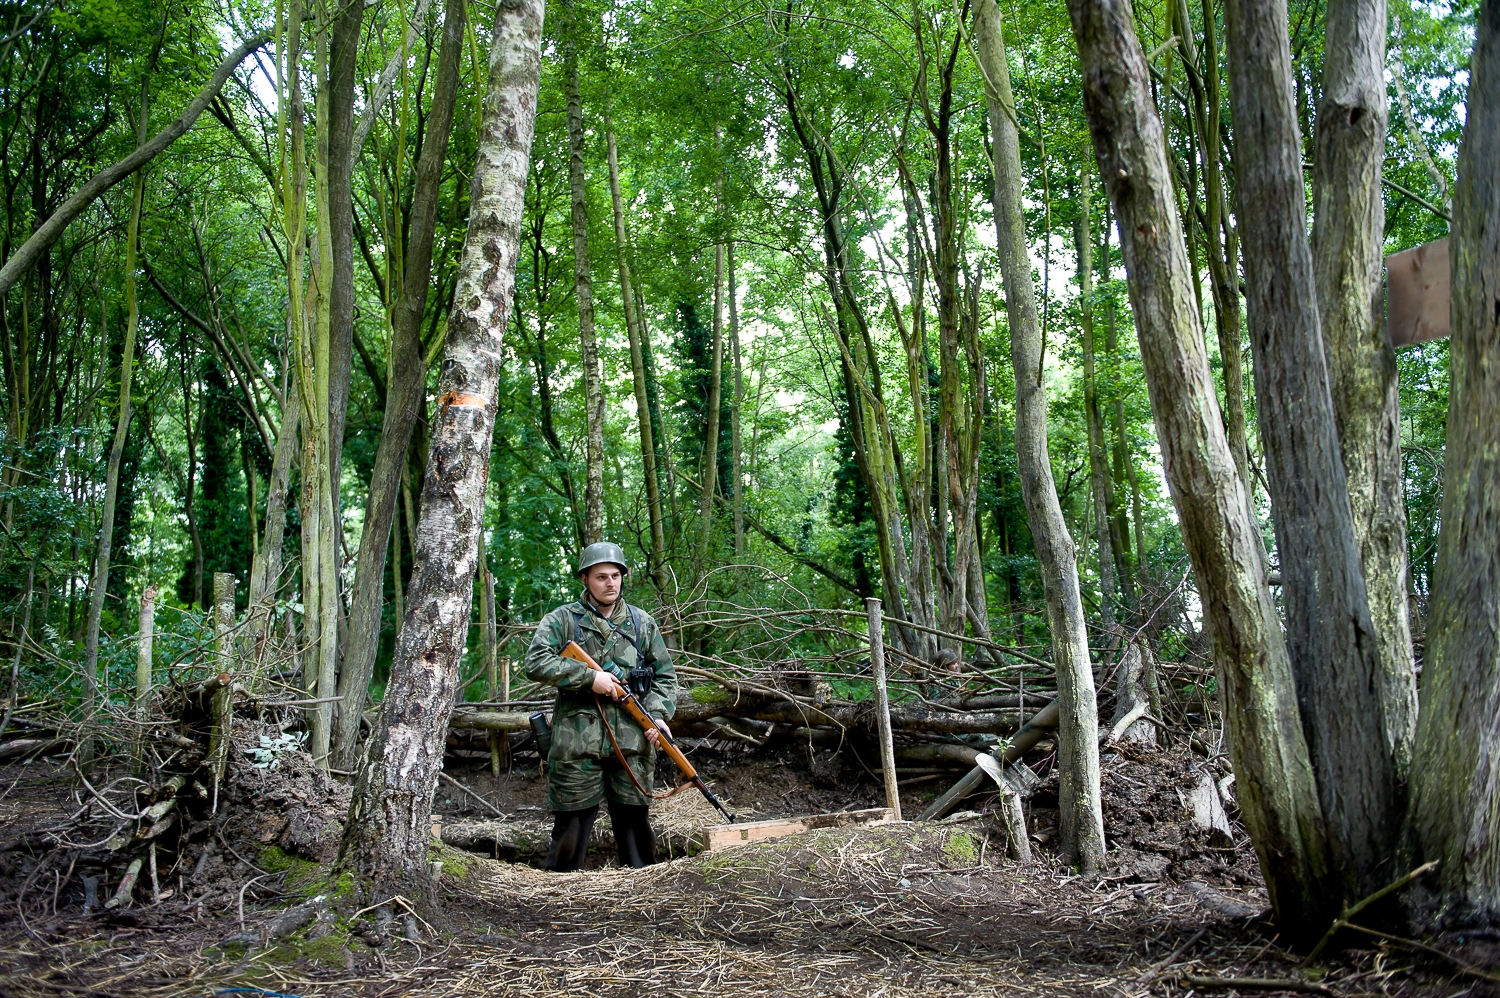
(997, 407)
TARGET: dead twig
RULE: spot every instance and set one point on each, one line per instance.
(490, 807)
(1467, 968)
(1157, 967)
(1253, 983)
(1343, 920)
(241, 903)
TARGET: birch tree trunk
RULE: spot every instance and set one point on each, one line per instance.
(583, 287)
(1334, 653)
(1455, 800)
(404, 392)
(386, 836)
(1082, 820)
(1278, 795)
(638, 371)
(1347, 243)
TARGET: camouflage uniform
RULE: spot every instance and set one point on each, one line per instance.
(582, 768)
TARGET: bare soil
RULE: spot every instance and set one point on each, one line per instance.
(914, 909)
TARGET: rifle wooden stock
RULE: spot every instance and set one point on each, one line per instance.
(646, 721)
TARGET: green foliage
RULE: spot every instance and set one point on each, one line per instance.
(701, 100)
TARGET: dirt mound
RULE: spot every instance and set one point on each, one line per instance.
(288, 802)
(1151, 827)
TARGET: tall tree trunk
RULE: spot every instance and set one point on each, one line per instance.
(1098, 469)
(583, 285)
(711, 434)
(99, 583)
(734, 413)
(404, 391)
(320, 577)
(828, 183)
(1279, 799)
(638, 371)
(1455, 796)
(1334, 653)
(1223, 244)
(1347, 241)
(293, 197)
(387, 834)
(921, 597)
(1124, 463)
(342, 69)
(1082, 818)
(266, 566)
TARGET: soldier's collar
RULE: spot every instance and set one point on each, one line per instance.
(620, 615)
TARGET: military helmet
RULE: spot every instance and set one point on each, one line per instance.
(599, 554)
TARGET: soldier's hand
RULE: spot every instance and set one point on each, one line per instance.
(654, 737)
(606, 684)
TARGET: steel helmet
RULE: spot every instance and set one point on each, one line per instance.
(601, 553)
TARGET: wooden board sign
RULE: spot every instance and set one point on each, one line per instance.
(1416, 294)
(745, 832)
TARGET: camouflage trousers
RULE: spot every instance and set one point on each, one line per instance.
(583, 770)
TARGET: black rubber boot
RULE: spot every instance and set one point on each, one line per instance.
(571, 831)
(634, 838)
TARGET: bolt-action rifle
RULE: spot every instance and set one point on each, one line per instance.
(645, 720)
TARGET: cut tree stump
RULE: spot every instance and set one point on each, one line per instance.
(743, 833)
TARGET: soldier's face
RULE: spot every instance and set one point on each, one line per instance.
(604, 582)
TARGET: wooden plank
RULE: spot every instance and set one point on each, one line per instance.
(1416, 289)
(745, 832)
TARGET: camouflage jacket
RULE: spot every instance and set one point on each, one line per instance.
(614, 648)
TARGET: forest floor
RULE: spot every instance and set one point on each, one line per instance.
(894, 910)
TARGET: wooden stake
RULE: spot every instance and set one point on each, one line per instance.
(223, 702)
(143, 674)
(883, 708)
(499, 741)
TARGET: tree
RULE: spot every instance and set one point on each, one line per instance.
(1334, 653)
(386, 836)
(99, 582)
(583, 289)
(1455, 795)
(1278, 798)
(1347, 244)
(1082, 816)
(404, 391)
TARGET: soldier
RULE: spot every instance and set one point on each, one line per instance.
(598, 750)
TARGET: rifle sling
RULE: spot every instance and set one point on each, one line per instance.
(621, 757)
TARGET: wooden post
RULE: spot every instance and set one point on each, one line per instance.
(883, 708)
(223, 702)
(499, 740)
(143, 674)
